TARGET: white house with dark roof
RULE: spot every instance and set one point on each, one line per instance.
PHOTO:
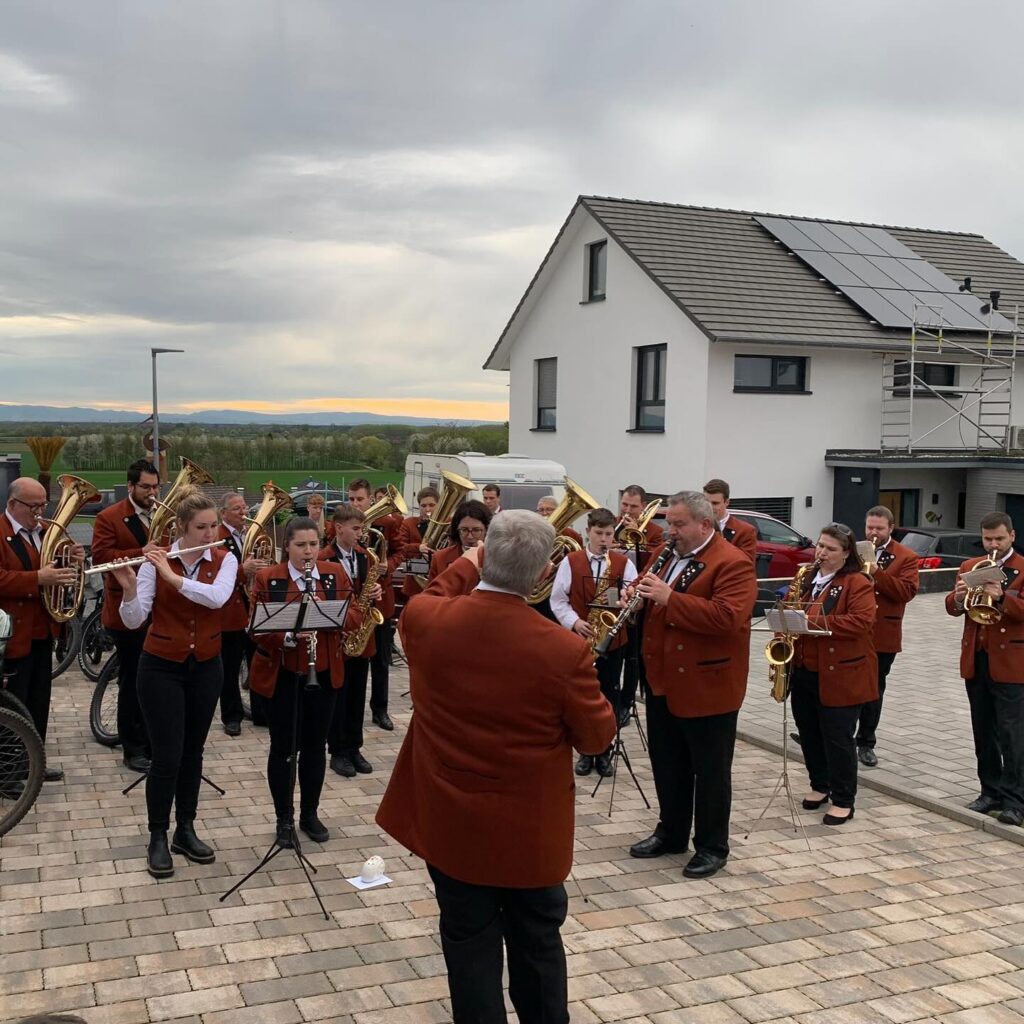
(664, 345)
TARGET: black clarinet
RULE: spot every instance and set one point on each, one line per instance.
(312, 683)
(632, 604)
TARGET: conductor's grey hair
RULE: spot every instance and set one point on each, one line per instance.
(696, 504)
(517, 547)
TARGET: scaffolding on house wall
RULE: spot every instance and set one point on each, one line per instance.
(981, 397)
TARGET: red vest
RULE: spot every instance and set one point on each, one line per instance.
(583, 587)
(235, 614)
(180, 628)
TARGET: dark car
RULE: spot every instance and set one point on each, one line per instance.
(780, 548)
(939, 549)
(299, 498)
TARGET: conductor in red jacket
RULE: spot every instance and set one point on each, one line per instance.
(483, 787)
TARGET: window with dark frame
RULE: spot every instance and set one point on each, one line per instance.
(547, 393)
(650, 387)
(597, 269)
(770, 374)
(939, 375)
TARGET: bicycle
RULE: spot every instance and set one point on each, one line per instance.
(66, 645)
(96, 644)
(103, 706)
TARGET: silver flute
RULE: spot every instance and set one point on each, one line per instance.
(128, 563)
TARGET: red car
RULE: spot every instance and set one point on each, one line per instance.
(782, 547)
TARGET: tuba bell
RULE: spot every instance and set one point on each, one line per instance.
(575, 502)
(257, 542)
(164, 516)
(391, 503)
(454, 489)
(980, 606)
(636, 536)
(62, 601)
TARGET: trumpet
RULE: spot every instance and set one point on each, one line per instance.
(130, 563)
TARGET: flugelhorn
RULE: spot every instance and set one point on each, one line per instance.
(63, 600)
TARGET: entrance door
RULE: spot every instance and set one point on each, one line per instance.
(891, 500)
(903, 504)
(1014, 508)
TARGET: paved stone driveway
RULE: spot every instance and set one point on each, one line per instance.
(903, 915)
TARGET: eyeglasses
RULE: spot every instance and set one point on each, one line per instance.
(38, 507)
(471, 531)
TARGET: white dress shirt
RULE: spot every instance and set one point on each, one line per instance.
(560, 606)
(210, 595)
(491, 588)
(35, 535)
(683, 561)
(820, 583)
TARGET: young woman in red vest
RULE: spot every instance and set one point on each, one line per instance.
(180, 672)
(280, 665)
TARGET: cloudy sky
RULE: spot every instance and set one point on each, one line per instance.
(337, 205)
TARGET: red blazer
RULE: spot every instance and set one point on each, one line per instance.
(896, 582)
(742, 536)
(393, 529)
(440, 560)
(330, 554)
(235, 614)
(845, 661)
(20, 595)
(483, 787)
(117, 533)
(697, 647)
(411, 538)
(1003, 640)
(274, 585)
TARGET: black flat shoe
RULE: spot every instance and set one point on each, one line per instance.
(383, 721)
(190, 846)
(985, 805)
(314, 828)
(137, 763)
(867, 757)
(360, 764)
(233, 728)
(795, 737)
(1011, 816)
(832, 819)
(585, 765)
(52, 775)
(158, 857)
(813, 805)
(654, 846)
(284, 835)
(604, 766)
(703, 865)
(343, 766)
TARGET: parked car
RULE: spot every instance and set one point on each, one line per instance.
(939, 549)
(332, 499)
(782, 547)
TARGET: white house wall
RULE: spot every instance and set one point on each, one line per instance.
(594, 345)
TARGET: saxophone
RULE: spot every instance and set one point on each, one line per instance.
(356, 640)
(600, 620)
(779, 651)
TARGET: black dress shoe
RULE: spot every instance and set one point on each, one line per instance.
(52, 775)
(795, 737)
(812, 805)
(383, 720)
(985, 804)
(585, 765)
(158, 857)
(138, 763)
(233, 728)
(360, 763)
(1011, 816)
(624, 716)
(834, 819)
(343, 766)
(867, 757)
(314, 828)
(604, 766)
(284, 834)
(703, 865)
(654, 846)
(190, 846)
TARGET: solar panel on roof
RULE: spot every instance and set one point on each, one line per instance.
(881, 275)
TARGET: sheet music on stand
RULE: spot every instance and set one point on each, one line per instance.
(792, 620)
(284, 617)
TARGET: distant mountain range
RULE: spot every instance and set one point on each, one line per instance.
(79, 414)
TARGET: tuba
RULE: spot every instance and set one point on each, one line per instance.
(163, 519)
(62, 601)
(258, 543)
(980, 606)
(575, 502)
(779, 651)
(636, 536)
(454, 489)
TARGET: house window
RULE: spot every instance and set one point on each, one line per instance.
(546, 374)
(939, 375)
(597, 266)
(780, 508)
(650, 388)
(770, 374)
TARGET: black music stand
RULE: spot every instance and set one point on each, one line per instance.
(300, 614)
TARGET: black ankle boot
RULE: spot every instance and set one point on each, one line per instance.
(190, 846)
(158, 857)
(285, 829)
(313, 827)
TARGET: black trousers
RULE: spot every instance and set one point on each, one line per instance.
(178, 699)
(315, 711)
(692, 763)
(871, 712)
(826, 736)
(380, 667)
(30, 679)
(131, 726)
(475, 921)
(997, 720)
(233, 646)
(609, 675)
(345, 735)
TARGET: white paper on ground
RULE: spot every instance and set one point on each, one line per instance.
(360, 884)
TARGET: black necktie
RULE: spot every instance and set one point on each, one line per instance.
(596, 567)
(30, 537)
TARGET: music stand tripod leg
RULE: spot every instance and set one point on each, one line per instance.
(145, 775)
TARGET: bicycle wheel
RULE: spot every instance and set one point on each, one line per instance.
(96, 644)
(103, 706)
(66, 644)
(22, 762)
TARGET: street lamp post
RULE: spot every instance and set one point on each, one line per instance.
(154, 352)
